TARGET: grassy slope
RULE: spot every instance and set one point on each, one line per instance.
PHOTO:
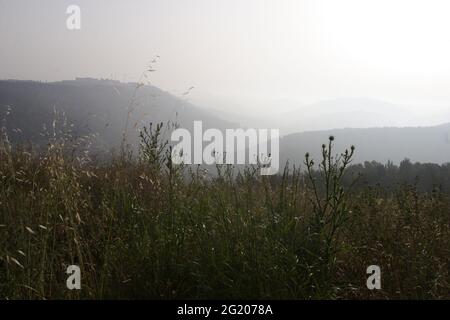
(144, 229)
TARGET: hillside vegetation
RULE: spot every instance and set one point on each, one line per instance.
(140, 227)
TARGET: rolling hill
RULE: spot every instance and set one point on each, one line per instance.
(93, 106)
(101, 107)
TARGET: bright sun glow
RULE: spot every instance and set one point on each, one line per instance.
(397, 35)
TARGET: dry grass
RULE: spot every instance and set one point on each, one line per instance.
(141, 228)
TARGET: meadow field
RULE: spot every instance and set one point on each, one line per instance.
(140, 227)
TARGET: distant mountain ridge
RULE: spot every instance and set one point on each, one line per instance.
(94, 106)
(100, 106)
(419, 144)
(336, 113)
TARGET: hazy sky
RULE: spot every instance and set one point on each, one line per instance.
(303, 50)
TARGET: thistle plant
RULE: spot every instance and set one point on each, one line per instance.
(329, 203)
